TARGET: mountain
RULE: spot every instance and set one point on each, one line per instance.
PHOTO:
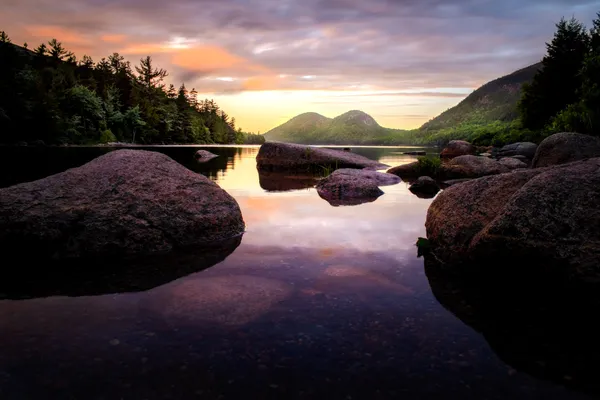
(301, 126)
(495, 101)
(353, 127)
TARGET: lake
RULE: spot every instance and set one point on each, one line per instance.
(315, 302)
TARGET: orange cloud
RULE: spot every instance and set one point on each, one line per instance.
(113, 38)
(212, 59)
(262, 83)
(64, 35)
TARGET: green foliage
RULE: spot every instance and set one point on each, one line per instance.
(565, 95)
(555, 86)
(428, 165)
(423, 247)
(107, 137)
(47, 95)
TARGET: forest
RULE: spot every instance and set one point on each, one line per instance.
(48, 96)
(563, 95)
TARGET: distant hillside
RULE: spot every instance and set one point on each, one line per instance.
(353, 127)
(495, 101)
(301, 126)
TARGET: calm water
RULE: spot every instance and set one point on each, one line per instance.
(315, 302)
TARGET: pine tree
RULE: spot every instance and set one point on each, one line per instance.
(172, 92)
(4, 37)
(58, 52)
(193, 98)
(149, 76)
(25, 45)
(41, 50)
(555, 86)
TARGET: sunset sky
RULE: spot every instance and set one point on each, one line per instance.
(265, 61)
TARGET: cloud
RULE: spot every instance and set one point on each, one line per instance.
(113, 38)
(391, 46)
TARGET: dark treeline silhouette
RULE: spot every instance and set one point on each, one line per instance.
(565, 94)
(46, 95)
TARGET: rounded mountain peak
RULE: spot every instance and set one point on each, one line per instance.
(357, 117)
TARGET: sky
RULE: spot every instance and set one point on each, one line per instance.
(265, 61)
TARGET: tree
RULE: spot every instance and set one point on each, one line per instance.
(58, 52)
(87, 62)
(56, 98)
(193, 98)
(172, 92)
(555, 86)
(4, 37)
(149, 76)
(25, 45)
(595, 34)
(41, 50)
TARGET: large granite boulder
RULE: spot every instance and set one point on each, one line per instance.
(512, 163)
(562, 148)
(294, 157)
(525, 149)
(543, 219)
(408, 172)
(353, 186)
(424, 187)
(457, 148)
(126, 203)
(471, 167)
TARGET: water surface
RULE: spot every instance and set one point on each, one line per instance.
(315, 302)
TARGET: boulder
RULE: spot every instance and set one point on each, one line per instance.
(457, 148)
(203, 155)
(408, 172)
(452, 182)
(274, 156)
(522, 159)
(512, 163)
(542, 220)
(562, 148)
(471, 167)
(353, 186)
(525, 149)
(425, 187)
(126, 203)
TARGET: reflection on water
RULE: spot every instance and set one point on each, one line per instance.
(316, 302)
(542, 328)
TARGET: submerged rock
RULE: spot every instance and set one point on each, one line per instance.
(425, 187)
(286, 156)
(525, 149)
(415, 153)
(457, 148)
(512, 163)
(203, 155)
(126, 203)
(352, 186)
(471, 167)
(562, 148)
(542, 220)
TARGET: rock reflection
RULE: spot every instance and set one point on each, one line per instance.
(545, 329)
(95, 277)
(283, 182)
(352, 201)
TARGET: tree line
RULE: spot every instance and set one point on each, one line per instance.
(47, 95)
(565, 94)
